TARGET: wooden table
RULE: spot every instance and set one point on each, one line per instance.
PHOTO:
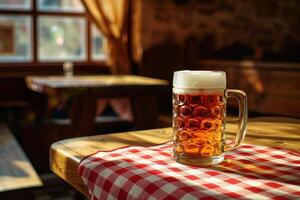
(85, 90)
(16, 171)
(65, 155)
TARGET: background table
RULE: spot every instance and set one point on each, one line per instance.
(65, 155)
(85, 90)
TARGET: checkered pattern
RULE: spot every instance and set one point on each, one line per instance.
(249, 172)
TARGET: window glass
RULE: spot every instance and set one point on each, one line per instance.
(99, 44)
(61, 38)
(15, 38)
(15, 4)
(60, 5)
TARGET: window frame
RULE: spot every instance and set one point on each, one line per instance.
(34, 13)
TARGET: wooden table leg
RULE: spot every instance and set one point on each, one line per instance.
(145, 112)
(83, 114)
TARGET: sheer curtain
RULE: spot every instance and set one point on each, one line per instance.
(111, 18)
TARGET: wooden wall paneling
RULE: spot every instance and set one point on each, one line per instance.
(271, 89)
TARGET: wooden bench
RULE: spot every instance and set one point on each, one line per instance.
(16, 172)
(272, 88)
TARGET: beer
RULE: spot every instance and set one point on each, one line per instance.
(199, 112)
(198, 124)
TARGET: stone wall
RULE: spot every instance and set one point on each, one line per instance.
(201, 34)
(264, 29)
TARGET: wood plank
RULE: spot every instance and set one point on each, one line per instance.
(270, 92)
(65, 155)
(268, 82)
(246, 64)
(35, 82)
(272, 104)
(99, 86)
(16, 171)
(273, 88)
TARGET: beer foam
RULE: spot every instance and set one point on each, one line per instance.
(188, 79)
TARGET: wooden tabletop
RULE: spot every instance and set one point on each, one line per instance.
(65, 155)
(43, 83)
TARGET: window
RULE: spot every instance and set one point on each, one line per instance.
(61, 38)
(40, 31)
(15, 38)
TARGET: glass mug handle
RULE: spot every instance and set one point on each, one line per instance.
(243, 116)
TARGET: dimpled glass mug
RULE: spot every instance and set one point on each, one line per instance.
(199, 112)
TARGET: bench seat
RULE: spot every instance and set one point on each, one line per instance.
(16, 171)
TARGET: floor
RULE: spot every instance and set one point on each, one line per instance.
(53, 189)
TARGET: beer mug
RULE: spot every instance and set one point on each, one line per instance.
(199, 112)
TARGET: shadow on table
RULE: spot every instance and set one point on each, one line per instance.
(266, 170)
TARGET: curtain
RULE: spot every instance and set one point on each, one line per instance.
(111, 18)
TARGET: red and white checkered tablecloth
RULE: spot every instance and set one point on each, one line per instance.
(249, 172)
